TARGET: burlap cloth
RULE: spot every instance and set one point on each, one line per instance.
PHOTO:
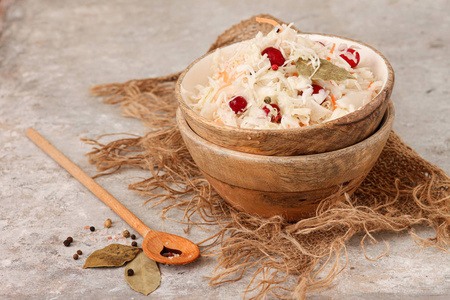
(402, 190)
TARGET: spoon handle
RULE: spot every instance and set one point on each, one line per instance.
(88, 182)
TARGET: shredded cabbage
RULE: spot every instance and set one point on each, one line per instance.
(249, 74)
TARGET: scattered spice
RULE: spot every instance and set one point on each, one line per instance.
(70, 239)
(108, 223)
(92, 228)
(170, 254)
(130, 272)
(133, 237)
(79, 252)
(126, 234)
(134, 244)
(66, 243)
(75, 256)
(109, 237)
(86, 227)
(267, 100)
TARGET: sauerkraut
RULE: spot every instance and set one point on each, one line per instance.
(256, 88)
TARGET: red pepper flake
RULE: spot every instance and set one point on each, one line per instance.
(87, 227)
(109, 237)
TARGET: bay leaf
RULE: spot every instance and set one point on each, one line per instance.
(327, 70)
(114, 255)
(146, 276)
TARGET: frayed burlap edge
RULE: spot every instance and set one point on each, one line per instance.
(402, 190)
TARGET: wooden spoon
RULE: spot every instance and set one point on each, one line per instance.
(162, 247)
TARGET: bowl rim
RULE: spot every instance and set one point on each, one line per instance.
(386, 124)
(346, 119)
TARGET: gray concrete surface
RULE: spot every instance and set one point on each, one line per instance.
(51, 52)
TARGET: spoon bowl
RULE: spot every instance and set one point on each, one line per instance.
(168, 248)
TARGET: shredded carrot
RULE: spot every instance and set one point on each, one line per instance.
(370, 84)
(328, 58)
(268, 21)
(334, 101)
(332, 48)
(224, 75)
(295, 74)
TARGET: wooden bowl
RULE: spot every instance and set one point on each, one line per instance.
(328, 136)
(291, 186)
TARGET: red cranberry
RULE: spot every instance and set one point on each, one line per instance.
(274, 55)
(316, 88)
(277, 110)
(352, 62)
(238, 104)
(274, 67)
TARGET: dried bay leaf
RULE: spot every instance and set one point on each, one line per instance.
(327, 70)
(146, 276)
(114, 255)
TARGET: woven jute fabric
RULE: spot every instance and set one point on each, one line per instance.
(276, 257)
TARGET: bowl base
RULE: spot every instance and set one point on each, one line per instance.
(293, 206)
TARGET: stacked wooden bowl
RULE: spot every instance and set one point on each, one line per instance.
(288, 171)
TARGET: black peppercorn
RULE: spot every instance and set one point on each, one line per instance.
(70, 239)
(79, 252)
(75, 256)
(66, 243)
(133, 237)
(130, 272)
(134, 244)
(92, 228)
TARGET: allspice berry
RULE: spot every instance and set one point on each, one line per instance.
(126, 234)
(79, 252)
(70, 239)
(108, 223)
(134, 244)
(130, 272)
(75, 256)
(133, 237)
(66, 243)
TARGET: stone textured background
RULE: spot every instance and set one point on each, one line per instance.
(52, 51)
